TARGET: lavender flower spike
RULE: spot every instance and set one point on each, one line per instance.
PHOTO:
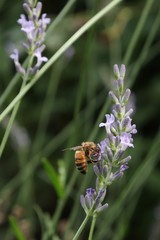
(119, 137)
(34, 27)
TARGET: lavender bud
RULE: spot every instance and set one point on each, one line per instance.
(31, 3)
(125, 123)
(100, 197)
(120, 85)
(38, 9)
(118, 110)
(102, 208)
(109, 154)
(122, 71)
(105, 171)
(129, 112)
(116, 71)
(118, 154)
(116, 176)
(126, 96)
(133, 130)
(96, 170)
(117, 141)
(113, 97)
(88, 202)
(27, 9)
(118, 127)
(123, 167)
(83, 204)
(125, 160)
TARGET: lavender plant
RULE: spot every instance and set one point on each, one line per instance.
(113, 162)
(34, 26)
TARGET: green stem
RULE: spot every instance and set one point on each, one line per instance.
(9, 88)
(138, 31)
(56, 56)
(92, 227)
(17, 231)
(81, 228)
(15, 110)
(10, 123)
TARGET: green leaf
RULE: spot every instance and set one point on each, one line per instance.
(62, 172)
(15, 228)
(54, 178)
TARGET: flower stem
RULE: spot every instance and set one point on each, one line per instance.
(92, 227)
(81, 228)
(10, 123)
(15, 110)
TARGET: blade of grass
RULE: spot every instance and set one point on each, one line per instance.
(15, 228)
(54, 178)
(139, 28)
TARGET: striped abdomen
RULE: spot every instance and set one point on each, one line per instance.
(80, 161)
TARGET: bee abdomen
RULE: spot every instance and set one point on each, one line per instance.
(80, 161)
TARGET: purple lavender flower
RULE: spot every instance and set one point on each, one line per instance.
(119, 137)
(91, 202)
(109, 121)
(34, 28)
(119, 131)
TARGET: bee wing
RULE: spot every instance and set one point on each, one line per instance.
(73, 148)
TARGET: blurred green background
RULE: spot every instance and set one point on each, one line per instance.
(65, 108)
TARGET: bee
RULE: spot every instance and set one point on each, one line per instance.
(88, 152)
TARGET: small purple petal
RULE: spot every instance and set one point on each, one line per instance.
(126, 140)
(109, 120)
(90, 192)
(45, 21)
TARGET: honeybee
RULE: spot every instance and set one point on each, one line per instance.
(88, 152)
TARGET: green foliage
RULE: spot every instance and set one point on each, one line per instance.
(16, 229)
(54, 178)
